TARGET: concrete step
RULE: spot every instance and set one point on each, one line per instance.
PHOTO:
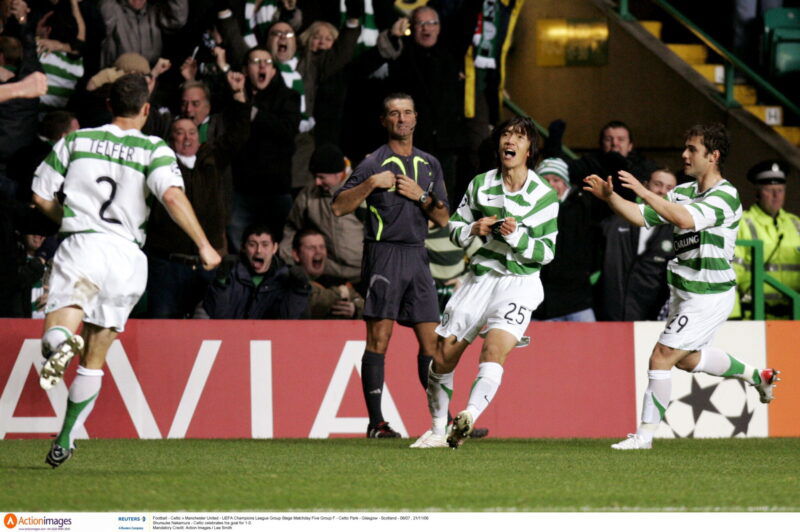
(772, 115)
(744, 94)
(792, 134)
(694, 54)
(652, 26)
(713, 73)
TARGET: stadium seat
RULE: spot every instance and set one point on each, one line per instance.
(781, 42)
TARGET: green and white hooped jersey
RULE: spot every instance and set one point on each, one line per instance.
(702, 264)
(534, 206)
(63, 72)
(110, 177)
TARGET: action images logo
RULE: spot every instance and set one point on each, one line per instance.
(11, 521)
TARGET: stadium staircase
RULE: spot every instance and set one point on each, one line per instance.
(737, 84)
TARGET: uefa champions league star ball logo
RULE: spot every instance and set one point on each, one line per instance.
(717, 409)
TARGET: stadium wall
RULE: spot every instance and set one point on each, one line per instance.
(300, 379)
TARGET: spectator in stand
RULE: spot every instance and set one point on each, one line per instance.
(428, 71)
(616, 153)
(567, 288)
(60, 39)
(779, 231)
(633, 284)
(18, 117)
(176, 281)
(329, 299)
(260, 15)
(312, 210)
(262, 174)
(302, 71)
(54, 126)
(137, 26)
(91, 103)
(258, 285)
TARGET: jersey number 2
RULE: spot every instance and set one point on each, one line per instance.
(106, 204)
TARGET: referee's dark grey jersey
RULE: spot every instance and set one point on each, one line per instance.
(394, 218)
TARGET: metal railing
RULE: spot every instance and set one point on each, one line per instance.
(732, 63)
(760, 277)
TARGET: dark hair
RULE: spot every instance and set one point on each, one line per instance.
(301, 234)
(55, 124)
(11, 49)
(615, 124)
(261, 228)
(715, 137)
(518, 124)
(128, 94)
(395, 96)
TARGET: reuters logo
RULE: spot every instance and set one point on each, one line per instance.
(10, 520)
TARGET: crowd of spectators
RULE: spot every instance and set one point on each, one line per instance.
(269, 105)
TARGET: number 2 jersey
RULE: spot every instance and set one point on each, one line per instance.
(702, 263)
(110, 177)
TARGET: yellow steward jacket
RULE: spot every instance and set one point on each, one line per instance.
(781, 238)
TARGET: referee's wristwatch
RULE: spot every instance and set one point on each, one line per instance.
(423, 199)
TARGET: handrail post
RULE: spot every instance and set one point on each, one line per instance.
(757, 268)
(730, 100)
(624, 12)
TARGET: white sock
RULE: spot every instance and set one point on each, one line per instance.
(490, 375)
(83, 393)
(54, 337)
(715, 361)
(440, 391)
(656, 401)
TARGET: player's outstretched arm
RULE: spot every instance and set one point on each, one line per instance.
(348, 200)
(672, 212)
(181, 211)
(604, 190)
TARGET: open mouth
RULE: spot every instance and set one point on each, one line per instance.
(258, 262)
(316, 263)
(262, 77)
(509, 154)
(282, 47)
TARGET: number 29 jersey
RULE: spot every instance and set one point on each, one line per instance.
(110, 177)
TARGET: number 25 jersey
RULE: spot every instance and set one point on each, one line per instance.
(110, 177)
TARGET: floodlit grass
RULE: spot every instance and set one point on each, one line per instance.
(385, 475)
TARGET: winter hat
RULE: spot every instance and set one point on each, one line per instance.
(554, 166)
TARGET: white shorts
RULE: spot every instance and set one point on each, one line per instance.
(694, 318)
(103, 274)
(491, 301)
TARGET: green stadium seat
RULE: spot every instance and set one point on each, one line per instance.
(781, 42)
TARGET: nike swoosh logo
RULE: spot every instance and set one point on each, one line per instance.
(623, 229)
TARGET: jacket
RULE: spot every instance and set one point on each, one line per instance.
(279, 295)
(633, 287)
(344, 235)
(128, 30)
(781, 238)
(265, 165)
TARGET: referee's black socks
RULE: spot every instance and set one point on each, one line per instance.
(372, 383)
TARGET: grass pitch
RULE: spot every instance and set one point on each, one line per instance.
(385, 475)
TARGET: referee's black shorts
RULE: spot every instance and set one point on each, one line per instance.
(400, 286)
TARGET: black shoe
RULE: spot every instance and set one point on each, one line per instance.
(478, 433)
(57, 455)
(382, 430)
